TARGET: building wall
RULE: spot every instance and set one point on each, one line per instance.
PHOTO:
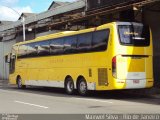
(5, 48)
(46, 33)
(153, 19)
(29, 36)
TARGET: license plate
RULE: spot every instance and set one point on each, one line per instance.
(136, 81)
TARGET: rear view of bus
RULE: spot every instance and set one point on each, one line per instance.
(132, 57)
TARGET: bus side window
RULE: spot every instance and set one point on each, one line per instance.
(32, 49)
(70, 44)
(43, 48)
(100, 40)
(12, 64)
(22, 51)
(57, 46)
(84, 42)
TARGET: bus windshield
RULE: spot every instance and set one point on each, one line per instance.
(134, 35)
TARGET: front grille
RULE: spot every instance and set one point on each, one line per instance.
(102, 76)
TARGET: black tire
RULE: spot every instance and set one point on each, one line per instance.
(82, 87)
(69, 86)
(19, 83)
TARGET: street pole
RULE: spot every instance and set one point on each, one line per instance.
(24, 29)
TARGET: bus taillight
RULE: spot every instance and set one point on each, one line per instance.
(114, 67)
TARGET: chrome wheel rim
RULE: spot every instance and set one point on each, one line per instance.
(70, 86)
(83, 87)
(19, 83)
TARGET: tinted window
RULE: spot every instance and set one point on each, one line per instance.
(135, 35)
(70, 44)
(84, 42)
(57, 46)
(32, 49)
(14, 49)
(87, 42)
(43, 48)
(22, 51)
(12, 64)
(100, 40)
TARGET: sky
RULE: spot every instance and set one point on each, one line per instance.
(19, 6)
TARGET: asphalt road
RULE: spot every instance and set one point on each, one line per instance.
(55, 101)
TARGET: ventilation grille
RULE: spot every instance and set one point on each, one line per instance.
(102, 77)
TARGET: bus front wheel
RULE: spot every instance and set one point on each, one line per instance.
(19, 83)
(82, 87)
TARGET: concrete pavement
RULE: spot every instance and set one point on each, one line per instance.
(151, 92)
(55, 101)
(54, 104)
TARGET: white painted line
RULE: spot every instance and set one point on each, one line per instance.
(31, 104)
(94, 100)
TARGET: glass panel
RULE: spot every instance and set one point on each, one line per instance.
(70, 44)
(134, 35)
(43, 48)
(32, 49)
(14, 50)
(84, 42)
(57, 46)
(100, 40)
(22, 51)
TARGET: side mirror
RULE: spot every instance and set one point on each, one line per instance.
(8, 58)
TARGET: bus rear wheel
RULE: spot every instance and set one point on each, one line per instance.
(69, 86)
(19, 83)
(82, 87)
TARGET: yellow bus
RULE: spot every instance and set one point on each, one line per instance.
(112, 56)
